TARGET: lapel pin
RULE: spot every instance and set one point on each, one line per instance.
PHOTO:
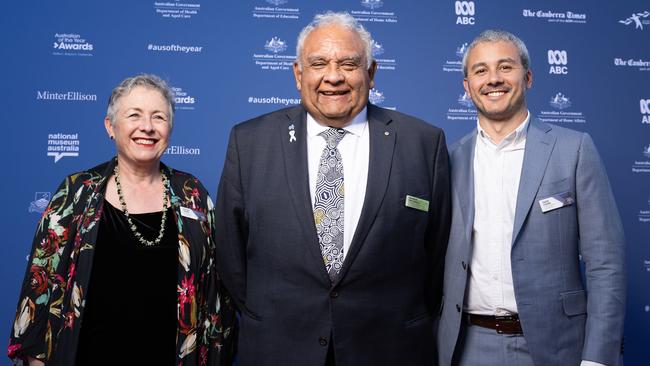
(292, 133)
(386, 133)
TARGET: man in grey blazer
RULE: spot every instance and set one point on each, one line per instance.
(530, 200)
(332, 218)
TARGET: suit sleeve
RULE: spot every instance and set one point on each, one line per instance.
(603, 252)
(440, 219)
(231, 234)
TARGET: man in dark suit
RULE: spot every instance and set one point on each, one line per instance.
(530, 201)
(332, 217)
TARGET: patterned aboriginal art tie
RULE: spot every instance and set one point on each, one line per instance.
(328, 203)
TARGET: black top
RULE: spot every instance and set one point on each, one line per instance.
(130, 313)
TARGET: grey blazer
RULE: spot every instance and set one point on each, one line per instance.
(564, 318)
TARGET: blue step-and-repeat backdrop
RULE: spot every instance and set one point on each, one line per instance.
(231, 60)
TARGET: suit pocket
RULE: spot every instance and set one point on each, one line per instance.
(549, 189)
(418, 320)
(574, 302)
(250, 314)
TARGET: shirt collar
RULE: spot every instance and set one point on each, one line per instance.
(355, 127)
(515, 137)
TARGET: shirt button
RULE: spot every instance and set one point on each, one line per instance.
(334, 294)
(322, 341)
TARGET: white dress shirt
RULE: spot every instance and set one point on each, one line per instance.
(497, 169)
(355, 152)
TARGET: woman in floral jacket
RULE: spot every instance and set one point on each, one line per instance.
(122, 269)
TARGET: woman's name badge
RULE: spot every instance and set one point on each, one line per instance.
(191, 214)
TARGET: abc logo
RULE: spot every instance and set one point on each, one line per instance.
(557, 59)
(465, 12)
(645, 110)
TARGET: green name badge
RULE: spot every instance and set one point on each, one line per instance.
(417, 203)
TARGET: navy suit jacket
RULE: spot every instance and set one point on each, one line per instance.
(564, 318)
(379, 310)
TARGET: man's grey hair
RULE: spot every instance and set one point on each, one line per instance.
(342, 19)
(497, 35)
(148, 81)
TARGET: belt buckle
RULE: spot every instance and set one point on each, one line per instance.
(501, 320)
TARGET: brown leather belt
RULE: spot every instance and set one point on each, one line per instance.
(502, 324)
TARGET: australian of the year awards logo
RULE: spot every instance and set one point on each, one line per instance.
(383, 62)
(465, 12)
(369, 13)
(456, 64)
(182, 99)
(40, 202)
(644, 105)
(177, 10)
(276, 9)
(637, 19)
(558, 60)
(60, 145)
(273, 57)
(561, 111)
(464, 110)
(555, 16)
(71, 44)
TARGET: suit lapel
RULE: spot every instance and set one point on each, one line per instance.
(462, 168)
(297, 173)
(539, 144)
(382, 144)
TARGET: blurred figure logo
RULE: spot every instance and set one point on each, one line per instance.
(376, 97)
(646, 151)
(275, 45)
(559, 101)
(277, 2)
(636, 20)
(460, 50)
(372, 4)
(465, 100)
(557, 57)
(377, 49)
(39, 204)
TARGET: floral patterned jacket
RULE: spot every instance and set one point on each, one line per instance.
(50, 308)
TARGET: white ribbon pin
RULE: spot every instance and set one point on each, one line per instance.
(292, 133)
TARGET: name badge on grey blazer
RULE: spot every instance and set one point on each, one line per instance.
(556, 201)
